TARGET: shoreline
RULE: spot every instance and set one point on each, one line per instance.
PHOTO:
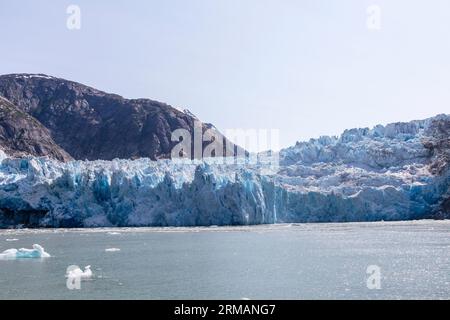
(213, 228)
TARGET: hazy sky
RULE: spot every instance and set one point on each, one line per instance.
(306, 67)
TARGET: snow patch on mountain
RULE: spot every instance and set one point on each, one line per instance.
(31, 76)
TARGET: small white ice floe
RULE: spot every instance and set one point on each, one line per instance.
(10, 240)
(113, 233)
(112, 249)
(78, 273)
(37, 252)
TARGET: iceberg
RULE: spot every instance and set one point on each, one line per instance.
(395, 172)
(77, 273)
(37, 252)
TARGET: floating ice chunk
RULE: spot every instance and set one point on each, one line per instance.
(8, 254)
(10, 240)
(112, 249)
(78, 273)
(113, 233)
(37, 252)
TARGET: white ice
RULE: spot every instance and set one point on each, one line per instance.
(78, 273)
(37, 252)
(375, 174)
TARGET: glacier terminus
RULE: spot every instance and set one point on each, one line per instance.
(395, 172)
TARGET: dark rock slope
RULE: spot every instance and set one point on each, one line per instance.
(91, 124)
(21, 134)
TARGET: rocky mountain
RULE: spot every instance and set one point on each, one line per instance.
(90, 124)
(21, 134)
(395, 172)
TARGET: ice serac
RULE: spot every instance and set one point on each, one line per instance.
(394, 172)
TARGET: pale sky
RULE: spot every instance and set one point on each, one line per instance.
(305, 67)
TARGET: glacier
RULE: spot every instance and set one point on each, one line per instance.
(395, 172)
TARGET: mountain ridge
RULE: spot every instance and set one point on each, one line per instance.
(91, 124)
(21, 134)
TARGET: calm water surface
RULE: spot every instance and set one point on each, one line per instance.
(300, 261)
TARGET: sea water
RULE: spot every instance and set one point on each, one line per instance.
(382, 260)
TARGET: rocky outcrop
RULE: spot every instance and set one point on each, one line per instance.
(21, 134)
(90, 124)
(437, 141)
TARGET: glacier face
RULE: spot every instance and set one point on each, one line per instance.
(394, 172)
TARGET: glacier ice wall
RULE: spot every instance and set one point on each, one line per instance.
(394, 172)
(43, 192)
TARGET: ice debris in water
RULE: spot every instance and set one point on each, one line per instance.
(112, 249)
(37, 252)
(80, 274)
